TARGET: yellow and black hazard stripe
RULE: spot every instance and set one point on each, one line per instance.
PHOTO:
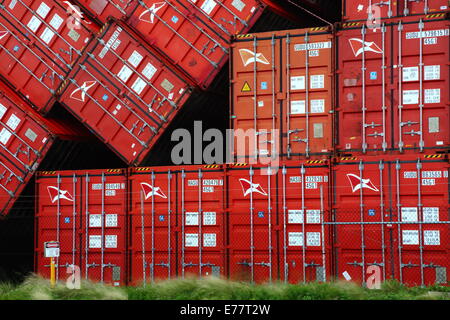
(47, 172)
(348, 158)
(114, 170)
(212, 166)
(144, 169)
(318, 29)
(62, 86)
(435, 15)
(351, 24)
(240, 164)
(432, 156)
(315, 161)
(244, 36)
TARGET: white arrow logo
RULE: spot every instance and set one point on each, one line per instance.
(3, 34)
(249, 56)
(82, 91)
(359, 46)
(151, 191)
(56, 194)
(358, 183)
(249, 187)
(153, 10)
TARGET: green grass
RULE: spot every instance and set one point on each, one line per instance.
(36, 288)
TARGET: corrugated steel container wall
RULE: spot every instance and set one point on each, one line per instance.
(360, 9)
(39, 46)
(124, 93)
(376, 111)
(269, 92)
(86, 211)
(392, 213)
(303, 202)
(252, 220)
(25, 139)
(178, 226)
(100, 10)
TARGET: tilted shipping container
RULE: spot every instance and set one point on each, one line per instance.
(101, 10)
(25, 139)
(362, 9)
(86, 212)
(39, 46)
(282, 93)
(400, 100)
(391, 214)
(124, 93)
(195, 39)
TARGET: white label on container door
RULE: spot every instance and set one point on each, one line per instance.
(110, 42)
(111, 241)
(125, 73)
(192, 218)
(298, 83)
(432, 95)
(30, 134)
(313, 239)
(149, 71)
(431, 174)
(2, 111)
(47, 35)
(428, 34)
(34, 24)
(317, 81)
(209, 218)
(432, 72)
(409, 214)
(313, 46)
(411, 74)
(209, 239)
(135, 59)
(314, 53)
(12, 4)
(95, 242)
(431, 238)
(295, 239)
(410, 96)
(139, 85)
(167, 85)
(238, 4)
(191, 240)
(318, 106)
(43, 10)
(410, 237)
(312, 216)
(430, 214)
(346, 276)
(4, 136)
(111, 220)
(208, 6)
(428, 182)
(95, 220)
(430, 41)
(410, 174)
(295, 216)
(56, 22)
(13, 122)
(298, 107)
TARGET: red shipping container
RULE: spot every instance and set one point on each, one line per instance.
(100, 10)
(252, 221)
(124, 93)
(281, 112)
(303, 198)
(86, 212)
(392, 214)
(378, 112)
(25, 138)
(194, 38)
(39, 45)
(178, 222)
(360, 9)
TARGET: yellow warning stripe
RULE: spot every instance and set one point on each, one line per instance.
(436, 15)
(432, 156)
(318, 28)
(212, 166)
(62, 86)
(239, 164)
(144, 169)
(114, 170)
(48, 172)
(315, 161)
(348, 158)
(242, 36)
(351, 24)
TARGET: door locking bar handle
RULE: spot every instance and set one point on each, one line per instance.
(354, 263)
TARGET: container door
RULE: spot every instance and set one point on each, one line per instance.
(252, 221)
(104, 227)
(153, 230)
(303, 190)
(308, 81)
(421, 82)
(202, 240)
(422, 239)
(182, 37)
(58, 216)
(360, 9)
(363, 98)
(425, 6)
(255, 106)
(101, 9)
(361, 219)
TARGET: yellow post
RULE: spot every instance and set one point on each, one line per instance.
(52, 273)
